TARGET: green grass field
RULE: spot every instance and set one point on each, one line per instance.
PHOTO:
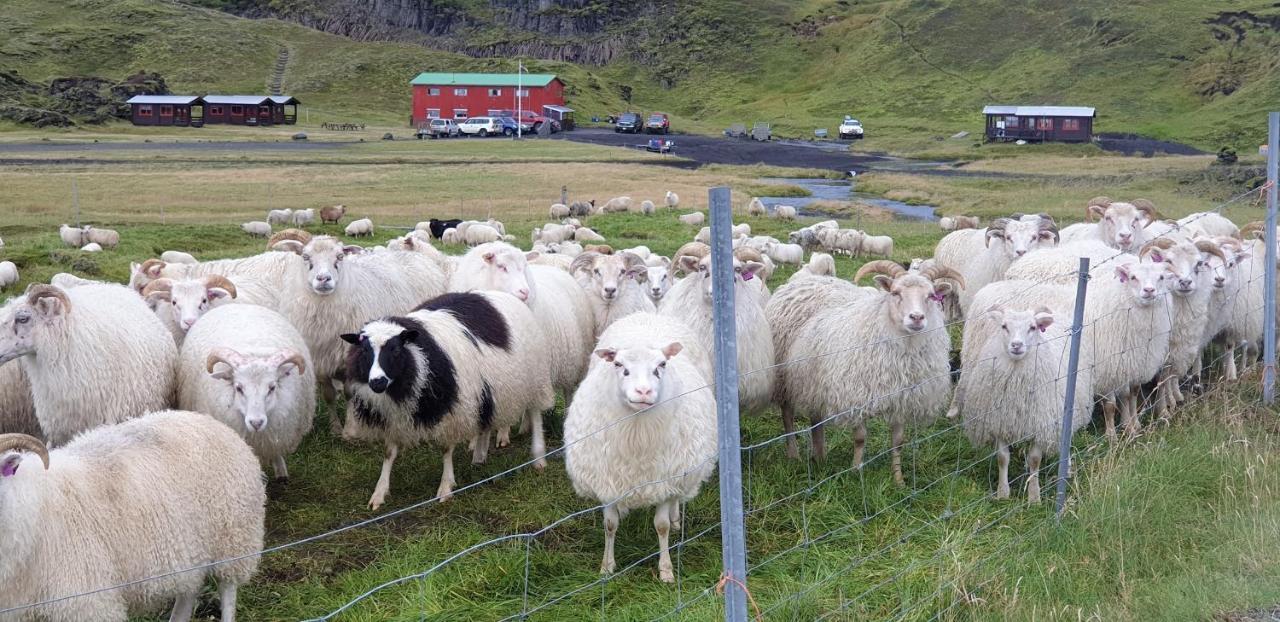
(1178, 525)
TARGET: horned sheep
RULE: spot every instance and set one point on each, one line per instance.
(1120, 225)
(983, 256)
(179, 303)
(614, 285)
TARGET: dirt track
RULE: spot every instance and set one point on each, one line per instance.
(723, 150)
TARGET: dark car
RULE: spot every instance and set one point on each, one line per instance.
(658, 123)
(629, 122)
(509, 127)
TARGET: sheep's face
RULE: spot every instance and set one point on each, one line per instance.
(1024, 236)
(659, 281)
(1225, 271)
(190, 300)
(323, 257)
(1122, 225)
(506, 269)
(19, 322)
(610, 274)
(255, 383)
(640, 372)
(1022, 330)
(385, 356)
(1146, 281)
(913, 301)
(1185, 266)
(743, 271)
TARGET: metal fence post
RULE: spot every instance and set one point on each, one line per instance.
(564, 195)
(732, 524)
(1069, 404)
(75, 200)
(1269, 309)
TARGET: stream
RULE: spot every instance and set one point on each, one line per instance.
(841, 190)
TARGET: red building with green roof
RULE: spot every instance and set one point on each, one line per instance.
(466, 95)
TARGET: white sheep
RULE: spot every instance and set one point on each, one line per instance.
(102, 238)
(614, 285)
(617, 204)
(131, 503)
(1059, 264)
(756, 207)
(92, 247)
(1015, 383)
(1, 242)
(559, 211)
(792, 254)
(362, 226)
(690, 302)
(983, 256)
(256, 228)
(1244, 323)
(552, 233)
(258, 279)
(450, 236)
(1120, 225)
(71, 236)
(646, 207)
(1208, 224)
(304, 217)
(784, 212)
(808, 236)
(585, 234)
(671, 200)
(478, 234)
(693, 219)
(178, 257)
(641, 251)
(249, 368)
(179, 303)
(568, 249)
(8, 274)
(476, 354)
(280, 216)
(553, 260)
(840, 241)
(639, 433)
(820, 264)
(658, 280)
(898, 365)
(94, 354)
(877, 245)
(1190, 289)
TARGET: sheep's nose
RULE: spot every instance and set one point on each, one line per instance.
(378, 385)
(324, 278)
(257, 424)
(1020, 252)
(188, 323)
(522, 294)
(1148, 290)
(644, 392)
(1219, 279)
(609, 291)
(916, 316)
(1184, 282)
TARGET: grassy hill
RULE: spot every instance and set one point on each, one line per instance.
(913, 71)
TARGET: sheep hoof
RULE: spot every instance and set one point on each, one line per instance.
(1002, 493)
(282, 479)
(540, 464)
(952, 413)
(606, 568)
(666, 575)
(375, 503)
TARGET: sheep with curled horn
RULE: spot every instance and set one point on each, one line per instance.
(902, 368)
(983, 256)
(1119, 225)
(1257, 229)
(180, 302)
(1095, 207)
(288, 235)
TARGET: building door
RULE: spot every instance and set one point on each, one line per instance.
(180, 115)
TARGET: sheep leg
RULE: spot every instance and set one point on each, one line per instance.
(1129, 413)
(227, 596)
(480, 447)
(859, 444)
(1002, 461)
(1033, 474)
(384, 480)
(539, 442)
(504, 435)
(675, 515)
(957, 402)
(445, 492)
(330, 397)
(611, 519)
(662, 524)
(280, 468)
(1164, 396)
(1109, 416)
(1231, 372)
(789, 429)
(897, 428)
(818, 437)
(182, 608)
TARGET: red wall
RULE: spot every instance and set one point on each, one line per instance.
(478, 102)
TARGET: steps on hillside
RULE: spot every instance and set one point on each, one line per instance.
(275, 83)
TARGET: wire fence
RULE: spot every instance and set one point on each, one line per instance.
(831, 534)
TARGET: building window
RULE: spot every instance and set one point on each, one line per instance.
(1046, 123)
(459, 113)
(215, 111)
(166, 111)
(433, 91)
(522, 93)
(495, 92)
(144, 111)
(460, 92)
(494, 112)
(1071, 125)
(433, 113)
(1011, 121)
(237, 110)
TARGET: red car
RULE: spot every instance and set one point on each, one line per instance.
(658, 123)
(529, 116)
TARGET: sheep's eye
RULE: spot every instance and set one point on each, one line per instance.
(271, 389)
(1004, 326)
(175, 303)
(597, 271)
(657, 373)
(205, 301)
(306, 257)
(618, 365)
(240, 389)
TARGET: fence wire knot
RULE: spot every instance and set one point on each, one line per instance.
(728, 578)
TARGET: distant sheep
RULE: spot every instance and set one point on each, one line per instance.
(784, 212)
(877, 245)
(450, 236)
(582, 209)
(256, 228)
(478, 234)
(438, 227)
(280, 217)
(585, 234)
(559, 211)
(693, 219)
(92, 247)
(756, 207)
(672, 200)
(603, 249)
(178, 257)
(332, 214)
(71, 236)
(953, 223)
(8, 274)
(107, 238)
(792, 254)
(617, 204)
(361, 227)
(646, 207)
(304, 217)
(551, 233)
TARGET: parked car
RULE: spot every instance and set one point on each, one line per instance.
(481, 126)
(658, 123)
(851, 128)
(509, 126)
(660, 145)
(438, 128)
(531, 120)
(629, 122)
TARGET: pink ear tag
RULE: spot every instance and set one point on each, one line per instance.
(936, 297)
(9, 469)
(747, 276)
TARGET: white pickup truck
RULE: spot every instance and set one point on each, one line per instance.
(850, 128)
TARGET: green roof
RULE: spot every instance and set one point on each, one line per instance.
(484, 79)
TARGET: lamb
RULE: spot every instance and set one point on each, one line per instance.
(363, 226)
(94, 354)
(671, 200)
(332, 214)
(584, 234)
(8, 274)
(690, 302)
(900, 369)
(638, 433)
(658, 280)
(756, 207)
(982, 257)
(582, 208)
(249, 368)
(92, 247)
(304, 217)
(258, 279)
(1120, 225)
(124, 503)
(179, 303)
(280, 217)
(71, 236)
(559, 211)
(617, 204)
(820, 264)
(693, 219)
(792, 254)
(256, 228)
(646, 207)
(178, 257)
(784, 212)
(106, 238)
(1015, 381)
(451, 370)
(552, 233)
(613, 284)
(478, 234)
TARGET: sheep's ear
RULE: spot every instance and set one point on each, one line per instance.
(883, 281)
(409, 336)
(996, 312)
(488, 257)
(1122, 273)
(1244, 253)
(607, 354)
(666, 262)
(639, 273)
(351, 338)
(1044, 319)
(532, 255)
(223, 371)
(941, 291)
(49, 306)
(1156, 256)
(218, 292)
(9, 466)
(672, 349)
(750, 269)
(689, 263)
(352, 249)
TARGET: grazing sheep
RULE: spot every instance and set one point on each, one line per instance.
(582, 209)
(756, 207)
(638, 433)
(614, 285)
(585, 234)
(451, 370)
(808, 236)
(617, 204)
(571, 221)
(361, 227)
(332, 214)
(899, 367)
(438, 227)
(784, 212)
(1015, 381)
(94, 354)
(8, 274)
(249, 368)
(280, 217)
(792, 254)
(559, 211)
(304, 217)
(877, 245)
(1120, 225)
(256, 228)
(178, 257)
(840, 241)
(671, 200)
(954, 223)
(450, 236)
(71, 236)
(693, 219)
(104, 238)
(179, 303)
(690, 302)
(983, 256)
(646, 207)
(478, 234)
(133, 503)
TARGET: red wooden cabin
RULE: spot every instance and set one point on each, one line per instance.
(465, 95)
(1039, 123)
(238, 109)
(166, 109)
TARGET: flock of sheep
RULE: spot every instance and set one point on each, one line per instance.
(445, 350)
